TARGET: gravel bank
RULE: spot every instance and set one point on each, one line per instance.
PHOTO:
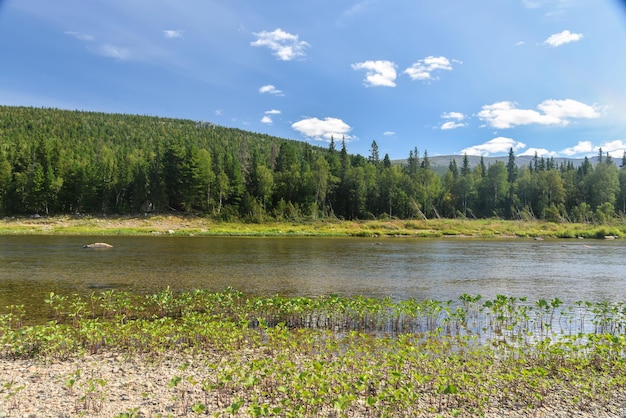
(108, 385)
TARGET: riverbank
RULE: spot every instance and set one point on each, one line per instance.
(198, 226)
(113, 385)
(226, 354)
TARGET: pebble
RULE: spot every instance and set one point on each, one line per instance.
(135, 384)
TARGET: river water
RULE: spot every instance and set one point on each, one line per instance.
(591, 270)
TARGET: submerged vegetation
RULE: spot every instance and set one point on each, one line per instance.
(335, 356)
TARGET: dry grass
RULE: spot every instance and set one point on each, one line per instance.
(193, 225)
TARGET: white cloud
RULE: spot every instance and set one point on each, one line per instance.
(568, 108)
(456, 117)
(494, 146)
(453, 115)
(581, 148)
(615, 148)
(267, 118)
(270, 89)
(503, 115)
(446, 126)
(378, 73)
(173, 34)
(323, 130)
(541, 152)
(284, 45)
(79, 35)
(563, 38)
(389, 133)
(219, 112)
(422, 69)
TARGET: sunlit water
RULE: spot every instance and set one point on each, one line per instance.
(442, 269)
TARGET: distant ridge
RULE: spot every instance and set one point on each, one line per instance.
(440, 163)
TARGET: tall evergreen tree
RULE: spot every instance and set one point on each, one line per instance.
(374, 157)
(511, 167)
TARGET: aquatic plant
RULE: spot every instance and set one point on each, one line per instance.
(277, 356)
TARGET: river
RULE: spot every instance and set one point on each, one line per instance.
(591, 270)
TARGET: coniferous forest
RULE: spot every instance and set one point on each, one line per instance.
(72, 162)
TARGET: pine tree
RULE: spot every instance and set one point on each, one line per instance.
(374, 157)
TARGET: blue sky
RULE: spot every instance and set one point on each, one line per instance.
(446, 76)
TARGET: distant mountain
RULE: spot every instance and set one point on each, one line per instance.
(440, 163)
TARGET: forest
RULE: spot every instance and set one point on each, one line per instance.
(75, 162)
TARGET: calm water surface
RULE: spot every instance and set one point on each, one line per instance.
(441, 269)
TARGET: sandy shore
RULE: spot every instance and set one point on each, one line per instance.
(108, 385)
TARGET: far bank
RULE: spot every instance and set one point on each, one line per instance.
(201, 226)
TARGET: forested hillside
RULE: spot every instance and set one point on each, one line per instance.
(60, 162)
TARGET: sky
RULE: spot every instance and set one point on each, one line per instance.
(448, 76)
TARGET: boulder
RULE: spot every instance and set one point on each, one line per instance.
(98, 245)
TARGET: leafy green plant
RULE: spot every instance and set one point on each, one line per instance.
(266, 356)
(130, 413)
(12, 392)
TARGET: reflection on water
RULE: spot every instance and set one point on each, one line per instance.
(440, 269)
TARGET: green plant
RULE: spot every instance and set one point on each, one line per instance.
(130, 413)
(12, 391)
(359, 356)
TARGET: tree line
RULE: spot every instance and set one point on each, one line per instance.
(66, 162)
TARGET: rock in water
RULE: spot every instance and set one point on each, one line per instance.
(98, 245)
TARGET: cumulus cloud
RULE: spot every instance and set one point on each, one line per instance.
(323, 130)
(614, 148)
(389, 133)
(454, 120)
(285, 46)
(495, 146)
(267, 117)
(453, 115)
(423, 69)
(503, 115)
(378, 73)
(446, 126)
(582, 147)
(568, 108)
(173, 34)
(563, 38)
(270, 89)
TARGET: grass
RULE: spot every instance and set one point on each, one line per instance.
(198, 226)
(334, 356)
